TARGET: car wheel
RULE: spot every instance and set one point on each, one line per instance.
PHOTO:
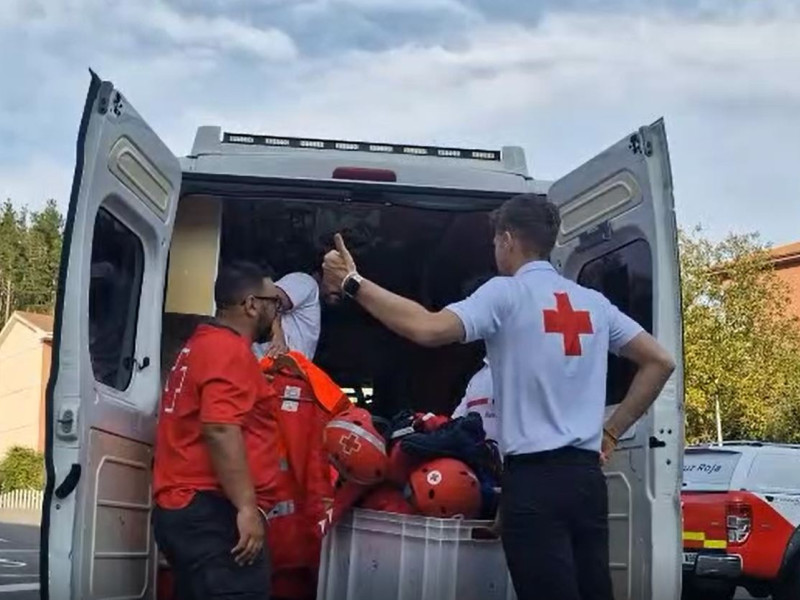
(788, 585)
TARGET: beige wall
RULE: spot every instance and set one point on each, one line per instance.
(193, 256)
(47, 361)
(21, 359)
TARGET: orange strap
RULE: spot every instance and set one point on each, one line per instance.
(327, 393)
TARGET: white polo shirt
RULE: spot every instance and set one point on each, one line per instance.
(478, 398)
(547, 339)
(301, 325)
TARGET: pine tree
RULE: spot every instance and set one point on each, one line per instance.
(30, 253)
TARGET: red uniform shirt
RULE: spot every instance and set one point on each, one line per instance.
(215, 379)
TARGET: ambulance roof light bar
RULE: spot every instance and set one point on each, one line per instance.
(353, 146)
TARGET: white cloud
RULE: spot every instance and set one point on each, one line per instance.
(501, 72)
(563, 87)
(211, 32)
(392, 6)
(103, 21)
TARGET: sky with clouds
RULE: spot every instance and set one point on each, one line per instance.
(562, 78)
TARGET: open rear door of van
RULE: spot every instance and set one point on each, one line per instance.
(618, 235)
(104, 384)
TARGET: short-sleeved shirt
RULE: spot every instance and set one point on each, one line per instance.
(302, 324)
(547, 339)
(215, 380)
(478, 398)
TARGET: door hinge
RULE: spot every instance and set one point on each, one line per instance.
(104, 97)
(640, 143)
(109, 99)
(647, 141)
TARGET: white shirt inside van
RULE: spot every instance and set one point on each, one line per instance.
(301, 325)
(479, 399)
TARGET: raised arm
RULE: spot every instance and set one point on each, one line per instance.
(403, 316)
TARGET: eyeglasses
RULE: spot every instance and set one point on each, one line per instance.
(275, 299)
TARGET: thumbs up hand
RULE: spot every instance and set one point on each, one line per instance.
(336, 266)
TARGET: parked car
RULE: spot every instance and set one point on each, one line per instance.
(741, 518)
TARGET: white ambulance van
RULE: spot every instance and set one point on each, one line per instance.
(145, 234)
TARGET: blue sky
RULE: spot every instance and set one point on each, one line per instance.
(564, 79)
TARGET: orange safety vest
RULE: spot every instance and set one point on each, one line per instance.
(306, 400)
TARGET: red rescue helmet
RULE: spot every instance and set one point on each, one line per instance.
(400, 465)
(445, 488)
(387, 498)
(355, 448)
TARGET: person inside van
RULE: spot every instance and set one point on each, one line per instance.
(298, 325)
(216, 457)
(478, 398)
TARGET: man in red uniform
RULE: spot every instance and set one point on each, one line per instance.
(216, 458)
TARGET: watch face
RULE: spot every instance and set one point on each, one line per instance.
(351, 286)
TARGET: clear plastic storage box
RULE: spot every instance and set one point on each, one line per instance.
(380, 556)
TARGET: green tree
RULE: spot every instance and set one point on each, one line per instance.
(21, 468)
(741, 347)
(30, 251)
(43, 255)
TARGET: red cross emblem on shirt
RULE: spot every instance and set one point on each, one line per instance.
(350, 444)
(568, 322)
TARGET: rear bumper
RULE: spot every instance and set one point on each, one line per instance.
(718, 566)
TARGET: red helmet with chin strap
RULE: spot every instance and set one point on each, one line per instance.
(445, 488)
(355, 448)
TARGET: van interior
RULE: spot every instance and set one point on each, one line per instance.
(431, 247)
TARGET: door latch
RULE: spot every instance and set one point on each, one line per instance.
(130, 362)
(67, 423)
(594, 237)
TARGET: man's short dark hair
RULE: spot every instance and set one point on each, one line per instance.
(532, 218)
(236, 281)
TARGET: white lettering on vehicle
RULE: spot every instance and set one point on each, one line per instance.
(178, 372)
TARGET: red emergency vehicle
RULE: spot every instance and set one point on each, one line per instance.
(741, 520)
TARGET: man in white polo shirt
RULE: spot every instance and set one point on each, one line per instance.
(547, 341)
(298, 326)
(478, 398)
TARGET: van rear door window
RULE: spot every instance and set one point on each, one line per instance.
(775, 472)
(710, 470)
(116, 285)
(624, 276)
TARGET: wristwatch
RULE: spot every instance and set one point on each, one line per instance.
(351, 284)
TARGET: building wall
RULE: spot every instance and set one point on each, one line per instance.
(791, 275)
(47, 357)
(21, 363)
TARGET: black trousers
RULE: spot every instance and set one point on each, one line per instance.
(197, 541)
(555, 526)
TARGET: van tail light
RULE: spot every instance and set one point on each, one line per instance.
(365, 174)
(739, 521)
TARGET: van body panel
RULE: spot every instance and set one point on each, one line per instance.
(295, 163)
(105, 382)
(620, 198)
